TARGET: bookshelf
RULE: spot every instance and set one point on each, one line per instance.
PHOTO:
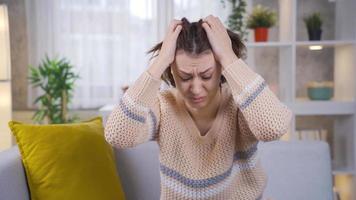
(287, 64)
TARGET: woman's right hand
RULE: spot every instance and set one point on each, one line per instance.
(167, 52)
(169, 44)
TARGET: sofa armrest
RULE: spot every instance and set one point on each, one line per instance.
(13, 183)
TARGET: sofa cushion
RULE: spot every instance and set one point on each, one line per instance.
(68, 161)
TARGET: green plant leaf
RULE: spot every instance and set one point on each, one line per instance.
(52, 76)
(313, 21)
(261, 16)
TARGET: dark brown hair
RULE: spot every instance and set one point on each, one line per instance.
(193, 39)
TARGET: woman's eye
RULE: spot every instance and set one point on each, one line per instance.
(187, 79)
(184, 79)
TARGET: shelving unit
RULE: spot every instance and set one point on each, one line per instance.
(287, 64)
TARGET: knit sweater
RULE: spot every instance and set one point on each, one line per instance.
(222, 164)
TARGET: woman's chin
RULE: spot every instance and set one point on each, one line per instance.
(197, 105)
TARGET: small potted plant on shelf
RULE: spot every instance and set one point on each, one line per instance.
(261, 19)
(313, 23)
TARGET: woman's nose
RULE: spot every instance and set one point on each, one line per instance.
(196, 86)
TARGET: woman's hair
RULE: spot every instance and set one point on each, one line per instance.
(193, 39)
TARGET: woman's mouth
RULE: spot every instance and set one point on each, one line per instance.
(198, 99)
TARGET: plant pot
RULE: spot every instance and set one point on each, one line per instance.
(314, 34)
(261, 34)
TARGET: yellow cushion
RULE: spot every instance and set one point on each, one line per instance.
(68, 161)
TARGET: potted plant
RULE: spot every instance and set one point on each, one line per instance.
(56, 80)
(313, 23)
(260, 20)
(236, 20)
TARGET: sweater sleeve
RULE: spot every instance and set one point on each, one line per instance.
(136, 118)
(260, 112)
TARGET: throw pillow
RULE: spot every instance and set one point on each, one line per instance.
(68, 161)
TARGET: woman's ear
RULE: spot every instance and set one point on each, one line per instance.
(171, 66)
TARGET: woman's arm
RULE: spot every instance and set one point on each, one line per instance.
(136, 118)
(260, 112)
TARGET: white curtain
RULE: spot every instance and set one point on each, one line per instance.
(194, 10)
(105, 40)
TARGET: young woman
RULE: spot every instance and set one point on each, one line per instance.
(209, 122)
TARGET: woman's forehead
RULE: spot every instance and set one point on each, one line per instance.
(184, 60)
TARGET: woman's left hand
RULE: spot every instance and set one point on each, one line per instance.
(219, 40)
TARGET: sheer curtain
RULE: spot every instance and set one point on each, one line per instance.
(105, 40)
(194, 10)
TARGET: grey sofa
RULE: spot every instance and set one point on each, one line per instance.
(296, 170)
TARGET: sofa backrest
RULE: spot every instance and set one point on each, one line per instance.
(296, 170)
(139, 171)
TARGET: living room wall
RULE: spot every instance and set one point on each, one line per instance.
(19, 52)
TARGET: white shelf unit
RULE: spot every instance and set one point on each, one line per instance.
(287, 64)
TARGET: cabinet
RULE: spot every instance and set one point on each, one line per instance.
(288, 65)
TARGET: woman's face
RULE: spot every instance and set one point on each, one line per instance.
(197, 77)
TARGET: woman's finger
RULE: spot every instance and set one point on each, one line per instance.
(177, 30)
(218, 24)
(210, 20)
(207, 28)
(174, 24)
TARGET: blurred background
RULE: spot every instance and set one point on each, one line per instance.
(307, 58)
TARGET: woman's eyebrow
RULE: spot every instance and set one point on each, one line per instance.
(186, 73)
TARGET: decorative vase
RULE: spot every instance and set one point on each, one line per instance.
(261, 34)
(322, 90)
(314, 34)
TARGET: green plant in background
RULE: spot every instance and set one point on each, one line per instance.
(56, 79)
(236, 20)
(261, 17)
(313, 21)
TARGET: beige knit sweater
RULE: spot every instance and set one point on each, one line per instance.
(223, 164)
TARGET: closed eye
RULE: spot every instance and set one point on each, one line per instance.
(185, 79)
(204, 78)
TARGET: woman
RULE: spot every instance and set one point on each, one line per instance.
(208, 124)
